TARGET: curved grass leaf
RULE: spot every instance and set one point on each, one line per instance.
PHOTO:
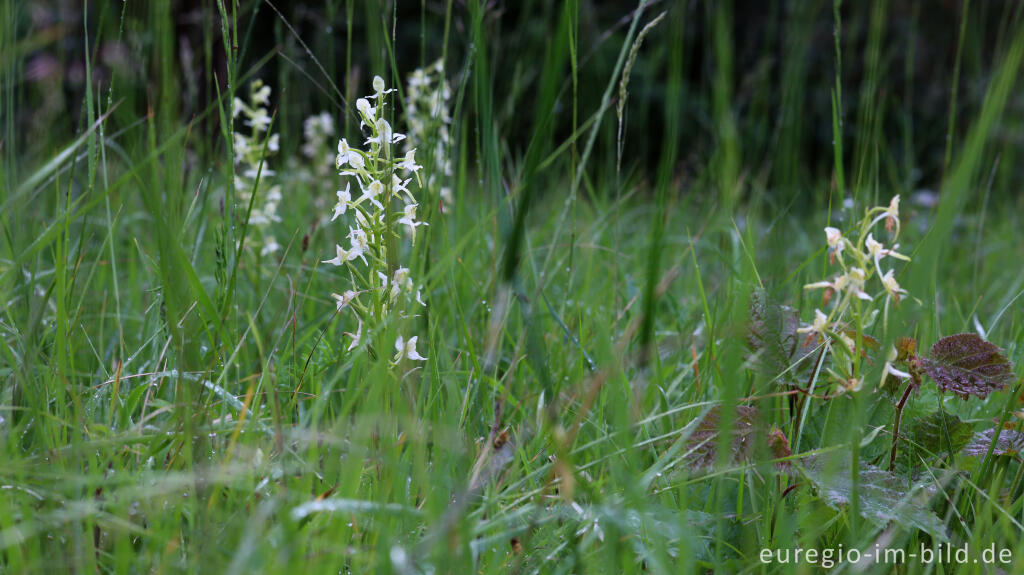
(966, 364)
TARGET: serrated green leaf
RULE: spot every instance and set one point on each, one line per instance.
(884, 498)
(772, 337)
(930, 432)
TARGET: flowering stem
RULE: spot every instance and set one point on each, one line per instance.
(390, 239)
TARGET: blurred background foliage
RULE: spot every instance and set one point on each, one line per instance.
(902, 83)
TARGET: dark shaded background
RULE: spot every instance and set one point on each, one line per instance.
(783, 65)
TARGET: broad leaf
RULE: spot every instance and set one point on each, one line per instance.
(747, 437)
(930, 432)
(966, 364)
(883, 497)
(772, 337)
(1009, 444)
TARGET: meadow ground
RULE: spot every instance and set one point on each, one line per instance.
(667, 287)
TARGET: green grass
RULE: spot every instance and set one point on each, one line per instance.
(172, 400)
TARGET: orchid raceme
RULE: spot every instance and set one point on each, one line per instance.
(317, 143)
(851, 301)
(427, 96)
(251, 151)
(375, 210)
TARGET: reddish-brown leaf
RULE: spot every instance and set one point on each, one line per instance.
(747, 436)
(966, 364)
(703, 443)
